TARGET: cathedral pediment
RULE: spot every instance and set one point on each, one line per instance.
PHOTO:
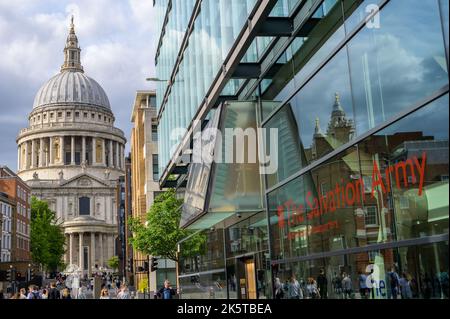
(84, 180)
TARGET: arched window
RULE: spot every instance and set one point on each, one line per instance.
(85, 206)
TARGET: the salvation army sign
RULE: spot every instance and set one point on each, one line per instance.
(350, 194)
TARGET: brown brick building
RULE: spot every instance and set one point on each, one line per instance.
(19, 196)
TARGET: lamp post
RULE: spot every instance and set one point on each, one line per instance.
(28, 274)
(13, 278)
(155, 80)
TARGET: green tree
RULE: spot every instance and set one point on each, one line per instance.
(161, 232)
(113, 263)
(46, 236)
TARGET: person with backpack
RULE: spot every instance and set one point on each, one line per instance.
(33, 293)
(166, 292)
(394, 283)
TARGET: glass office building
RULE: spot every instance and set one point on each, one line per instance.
(358, 93)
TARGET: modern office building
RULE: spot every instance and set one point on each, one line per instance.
(72, 155)
(144, 181)
(353, 97)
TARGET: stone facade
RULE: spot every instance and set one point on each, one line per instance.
(72, 156)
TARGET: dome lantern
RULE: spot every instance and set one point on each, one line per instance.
(72, 59)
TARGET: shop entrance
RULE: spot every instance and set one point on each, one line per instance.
(246, 275)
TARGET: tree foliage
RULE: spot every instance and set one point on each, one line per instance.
(113, 263)
(46, 236)
(161, 232)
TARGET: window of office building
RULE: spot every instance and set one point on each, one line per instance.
(154, 133)
(155, 167)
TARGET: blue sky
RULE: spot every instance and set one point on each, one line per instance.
(117, 42)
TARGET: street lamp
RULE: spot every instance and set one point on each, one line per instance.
(155, 80)
(28, 274)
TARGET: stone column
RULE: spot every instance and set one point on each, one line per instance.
(94, 153)
(70, 249)
(103, 152)
(110, 245)
(27, 150)
(66, 255)
(50, 150)
(122, 156)
(111, 154)
(62, 151)
(81, 253)
(33, 154)
(92, 251)
(41, 153)
(18, 157)
(83, 149)
(117, 154)
(100, 239)
(72, 150)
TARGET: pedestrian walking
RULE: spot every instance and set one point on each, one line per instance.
(337, 285)
(279, 293)
(22, 293)
(312, 290)
(347, 286)
(33, 292)
(66, 294)
(44, 294)
(294, 289)
(405, 287)
(104, 294)
(322, 284)
(123, 293)
(53, 292)
(394, 281)
(363, 289)
(166, 292)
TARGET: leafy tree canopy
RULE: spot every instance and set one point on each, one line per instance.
(46, 236)
(161, 232)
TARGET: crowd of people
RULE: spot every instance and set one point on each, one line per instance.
(365, 286)
(52, 292)
(62, 287)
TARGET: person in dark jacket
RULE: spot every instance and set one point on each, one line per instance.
(166, 292)
(53, 292)
(322, 283)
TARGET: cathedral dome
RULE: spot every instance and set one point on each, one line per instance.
(71, 85)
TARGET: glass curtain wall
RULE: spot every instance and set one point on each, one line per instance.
(385, 189)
